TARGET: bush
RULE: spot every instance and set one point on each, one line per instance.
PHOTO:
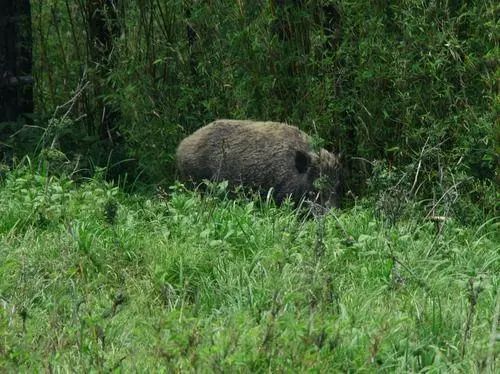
(383, 81)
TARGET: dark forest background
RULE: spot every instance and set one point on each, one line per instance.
(407, 91)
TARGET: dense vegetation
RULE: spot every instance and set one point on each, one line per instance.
(98, 273)
(411, 86)
(94, 279)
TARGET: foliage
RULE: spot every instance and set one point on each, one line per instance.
(370, 79)
(97, 280)
(404, 279)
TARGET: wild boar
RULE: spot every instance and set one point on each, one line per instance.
(263, 156)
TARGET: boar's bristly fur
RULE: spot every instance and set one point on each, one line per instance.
(261, 155)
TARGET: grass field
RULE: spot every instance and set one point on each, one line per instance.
(94, 279)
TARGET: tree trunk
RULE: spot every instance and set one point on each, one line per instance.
(16, 82)
(102, 28)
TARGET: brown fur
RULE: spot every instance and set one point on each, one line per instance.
(261, 155)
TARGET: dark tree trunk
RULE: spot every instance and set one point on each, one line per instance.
(285, 25)
(102, 28)
(191, 38)
(16, 82)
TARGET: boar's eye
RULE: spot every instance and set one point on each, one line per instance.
(301, 161)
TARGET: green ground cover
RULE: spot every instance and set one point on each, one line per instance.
(94, 279)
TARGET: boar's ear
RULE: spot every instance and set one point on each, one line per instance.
(302, 161)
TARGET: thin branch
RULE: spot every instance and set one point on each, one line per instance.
(71, 102)
(454, 186)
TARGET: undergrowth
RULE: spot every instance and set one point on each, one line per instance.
(92, 278)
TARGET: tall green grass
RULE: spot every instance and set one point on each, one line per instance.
(93, 279)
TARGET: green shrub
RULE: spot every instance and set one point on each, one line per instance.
(380, 81)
